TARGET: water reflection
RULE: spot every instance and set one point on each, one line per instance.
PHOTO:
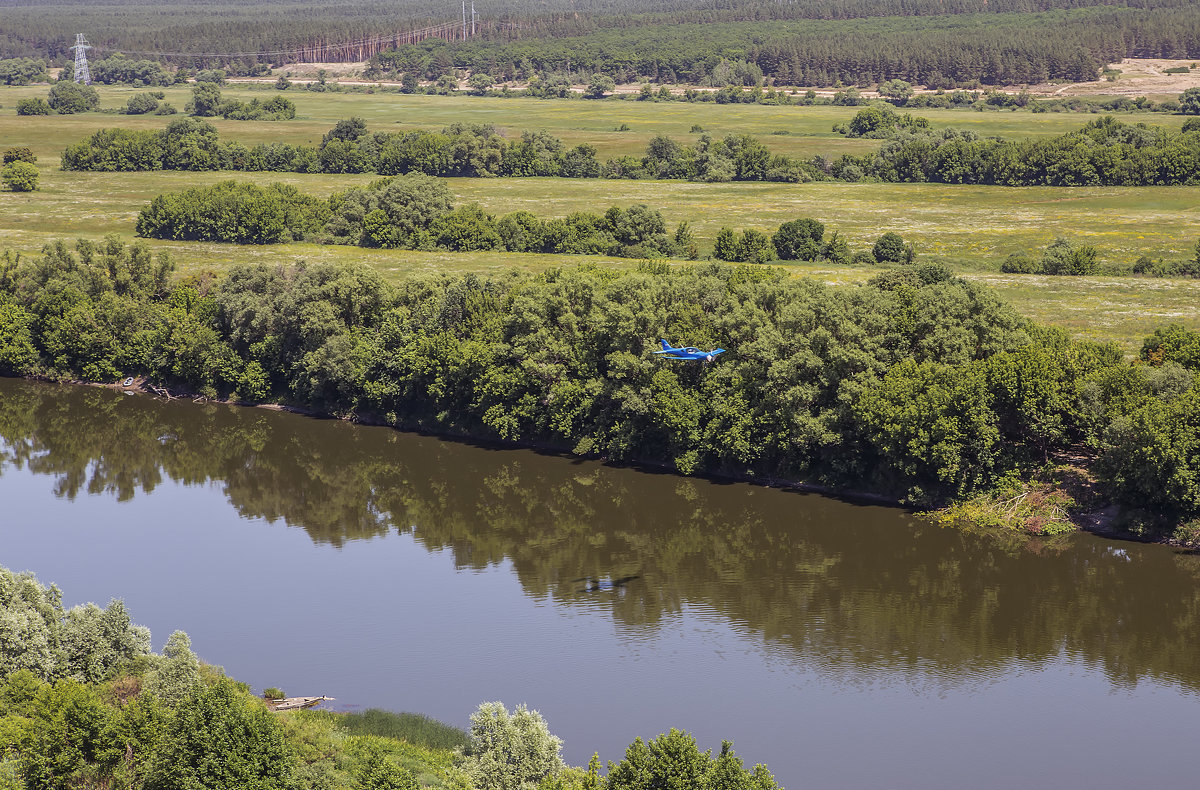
(844, 587)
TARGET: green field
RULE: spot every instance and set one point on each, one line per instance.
(970, 228)
(809, 129)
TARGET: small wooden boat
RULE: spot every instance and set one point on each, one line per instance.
(295, 703)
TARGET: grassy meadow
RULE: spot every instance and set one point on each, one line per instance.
(970, 228)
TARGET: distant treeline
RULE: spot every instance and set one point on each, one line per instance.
(1104, 152)
(916, 384)
(940, 52)
(957, 40)
(458, 150)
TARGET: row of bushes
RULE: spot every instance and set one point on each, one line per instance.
(804, 240)
(65, 98)
(412, 212)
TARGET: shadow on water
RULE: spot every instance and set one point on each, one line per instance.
(849, 587)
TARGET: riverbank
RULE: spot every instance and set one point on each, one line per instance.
(1063, 500)
(915, 387)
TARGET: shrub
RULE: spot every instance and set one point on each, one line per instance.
(140, 104)
(800, 239)
(68, 98)
(20, 176)
(1020, 263)
(273, 693)
(673, 760)
(235, 212)
(755, 247)
(890, 248)
(510, 751)
(36, 106)
(21, 154)
(1063, 258)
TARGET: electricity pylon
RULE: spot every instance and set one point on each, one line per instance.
(81, 68)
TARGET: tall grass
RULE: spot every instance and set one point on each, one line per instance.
(416, 728)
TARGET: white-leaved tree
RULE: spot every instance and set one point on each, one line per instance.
(177, 674)
(84, 643)
(510, 751)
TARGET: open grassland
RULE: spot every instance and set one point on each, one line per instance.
(970, 228)
(808, 129)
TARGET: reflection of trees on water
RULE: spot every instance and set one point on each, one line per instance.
(848, 588)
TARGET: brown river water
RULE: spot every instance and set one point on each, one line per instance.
(845, 646)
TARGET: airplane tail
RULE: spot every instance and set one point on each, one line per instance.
(665, 345)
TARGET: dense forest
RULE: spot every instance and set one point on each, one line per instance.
(818, 42)
(917, 385)
(84, 703)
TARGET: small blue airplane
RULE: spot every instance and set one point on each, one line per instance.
(688, 354)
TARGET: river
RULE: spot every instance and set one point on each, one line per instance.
(845, 646)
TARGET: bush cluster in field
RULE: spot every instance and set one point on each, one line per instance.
(917, 385)
(20, 173)
(410, 212)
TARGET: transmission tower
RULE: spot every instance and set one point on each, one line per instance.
(81, 68)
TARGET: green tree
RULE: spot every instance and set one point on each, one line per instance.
(20, 176)
(34, 106)
(206, 100)
(725, 248)
(755, 247)
(1189, 101)
(896, 90)
(510, 751)
(672, 761)
(466, 228)
(890, 248)
(175, 676)
(140, 104)
(67, 98)
(18, 354)
(800, 239)
(221, 737)
(599, 86)
(480, 83)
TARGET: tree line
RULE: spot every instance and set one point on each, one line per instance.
(917, 385)
(1105, 152)
(820, 41)
(940, 52)
(410, 212)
